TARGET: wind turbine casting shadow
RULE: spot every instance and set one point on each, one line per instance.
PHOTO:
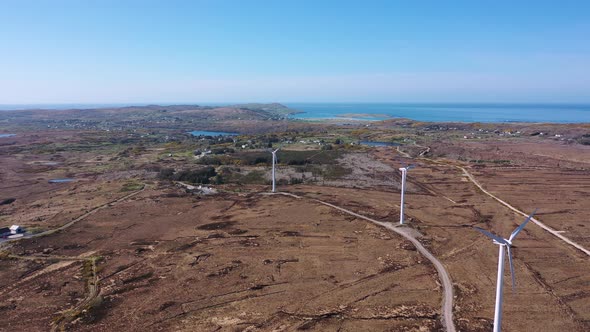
(403, 189)
(503, 244)
(274, 160)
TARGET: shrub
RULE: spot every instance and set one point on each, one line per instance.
(166, 174)
(196, 176)
(202, 175)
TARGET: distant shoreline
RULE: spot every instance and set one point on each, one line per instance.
(557, 113)
(447, 112)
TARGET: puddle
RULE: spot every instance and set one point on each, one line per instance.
(65, 180)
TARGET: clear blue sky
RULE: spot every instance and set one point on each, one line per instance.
(294, 51)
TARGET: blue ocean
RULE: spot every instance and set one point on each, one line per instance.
(556, 113)
(435, 112)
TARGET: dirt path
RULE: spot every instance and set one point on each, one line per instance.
(118, 200)
(69, 315)
(403, 153)
(58, 324)
(543, 226)
(506, 204)
(445, 279)
(71, 223)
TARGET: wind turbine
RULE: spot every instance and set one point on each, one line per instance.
(503, 244)
(401, 205)
(274, 160)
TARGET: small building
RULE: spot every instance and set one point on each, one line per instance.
(15, 229)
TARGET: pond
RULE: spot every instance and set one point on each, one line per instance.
(61, 180)
(7, 135)
(211, 133)
(373, 143)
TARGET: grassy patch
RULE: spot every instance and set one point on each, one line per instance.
(285, 157)
(132, 186)
(252, 177)
(333, 172)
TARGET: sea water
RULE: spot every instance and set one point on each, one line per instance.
(435, 112)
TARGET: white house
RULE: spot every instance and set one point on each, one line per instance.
(15, 229)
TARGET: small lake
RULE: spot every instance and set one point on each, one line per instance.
(7, 135)
(372, 143)
(211, 133)
(60, 180)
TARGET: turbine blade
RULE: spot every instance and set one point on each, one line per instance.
(410, 166)
(491, 235)
(511, 267)
(519, 228)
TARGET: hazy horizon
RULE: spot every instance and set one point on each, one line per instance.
(24, 106)
(111, 52)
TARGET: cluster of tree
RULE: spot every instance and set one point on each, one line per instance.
(255, 158)
(585, 139)
(7, 201)
(293, 158)
(215, 160)
(203, 175)
(222, 150)
(216, 139)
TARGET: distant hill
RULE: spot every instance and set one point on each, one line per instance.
(240, 118)
(272, 109)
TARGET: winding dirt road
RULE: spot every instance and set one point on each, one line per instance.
(71, 223)
(445, 279)
(93, 281)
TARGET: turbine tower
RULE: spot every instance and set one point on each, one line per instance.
(504, 245)
(401, 205)
(274, 160)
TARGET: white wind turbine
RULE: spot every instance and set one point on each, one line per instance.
(503, 244)
(274, 160)
(403, 189)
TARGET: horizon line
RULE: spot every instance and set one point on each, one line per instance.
(229, 103)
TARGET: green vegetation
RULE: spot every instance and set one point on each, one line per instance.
(93, 310)
(197, 176)
(285, 157)
(88, 269)
(252, 177)
(584, 139)
(333, 172)
(132, 185)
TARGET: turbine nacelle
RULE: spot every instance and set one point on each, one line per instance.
(503, 243)
(507, 243)
(405, 169)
